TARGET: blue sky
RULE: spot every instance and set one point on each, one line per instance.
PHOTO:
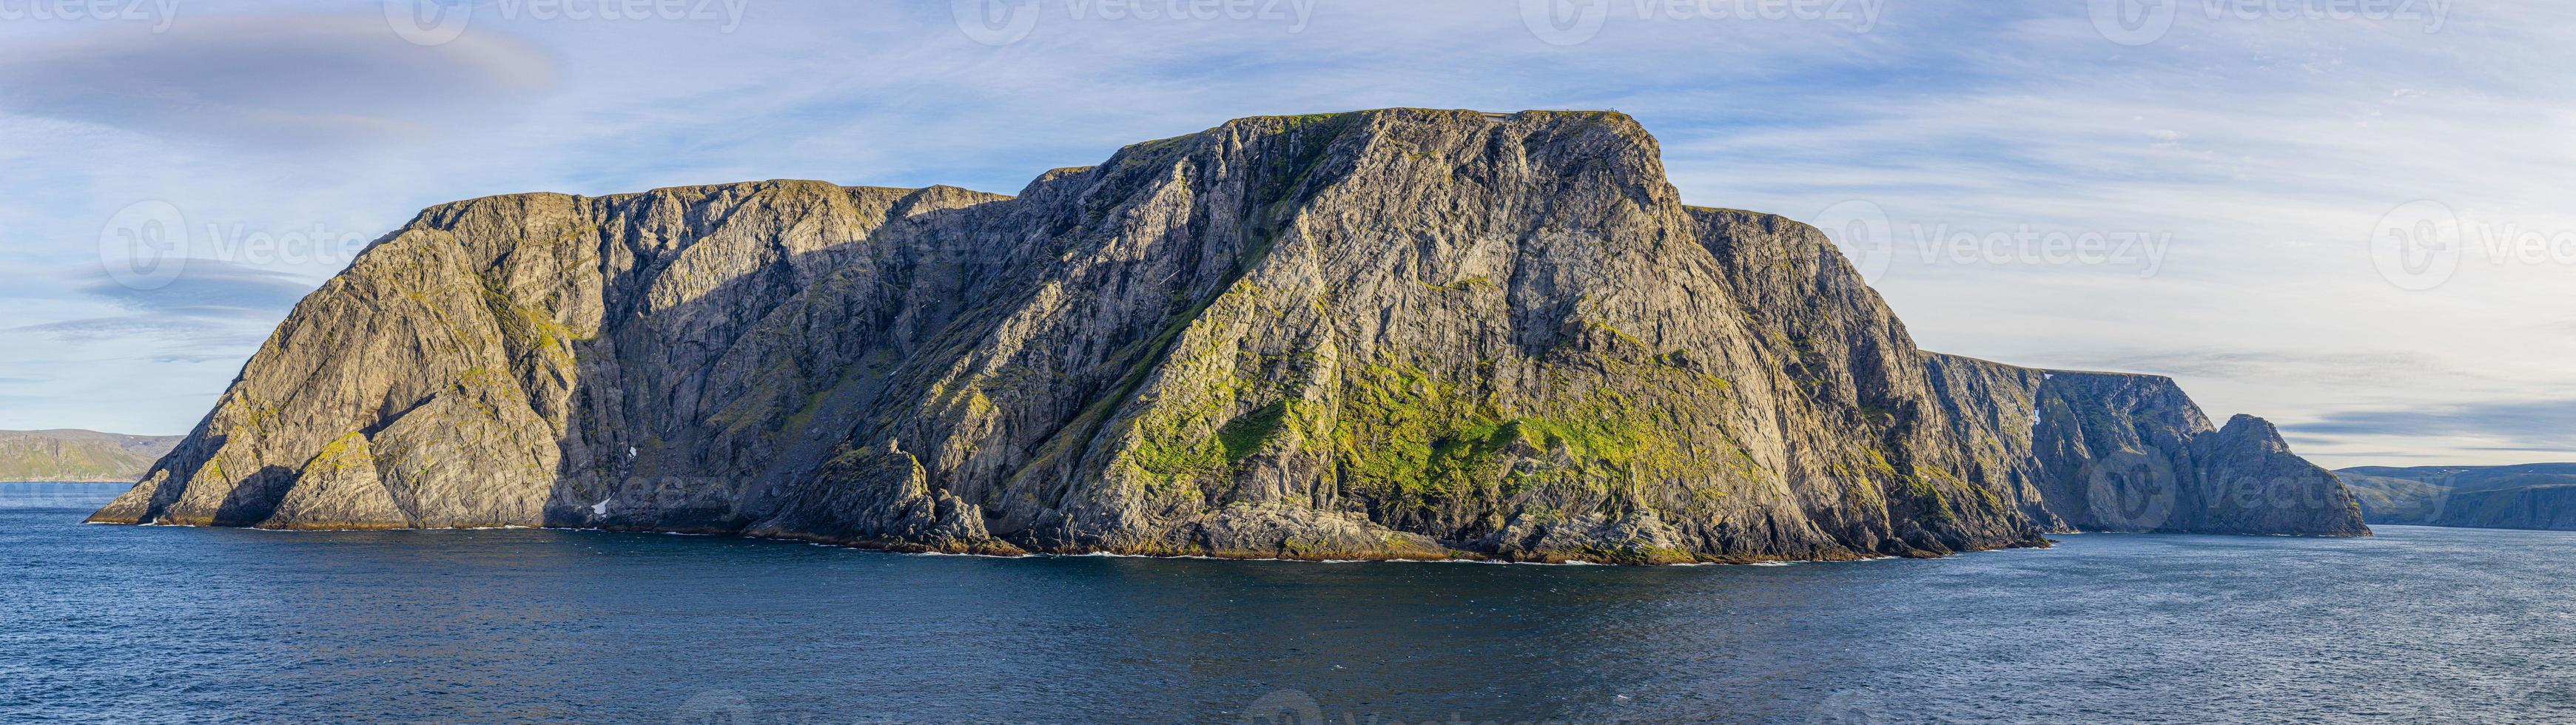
(2224, 191)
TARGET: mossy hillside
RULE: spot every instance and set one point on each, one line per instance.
(344, 452)
(1931, 496)
(1960, 496)
(38, 456)
(1215, 402)
(530, 330)
(1170, 441)
(1932, 508)
(1435, 450)
(1159, 430)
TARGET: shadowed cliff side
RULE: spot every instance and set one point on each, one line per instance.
(2120, 452)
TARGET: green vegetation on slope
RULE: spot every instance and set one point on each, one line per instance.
(78, 455)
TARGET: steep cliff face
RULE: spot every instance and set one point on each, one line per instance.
(2115, 452)
(1399, 333)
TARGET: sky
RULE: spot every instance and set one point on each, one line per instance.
(2347, 216)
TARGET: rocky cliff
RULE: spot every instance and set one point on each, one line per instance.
(1396, 333)
(78, 455)
(2529, 496)
(2093, 451)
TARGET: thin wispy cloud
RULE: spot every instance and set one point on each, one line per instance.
(202, 288)
(283, 79)
(2514, 426)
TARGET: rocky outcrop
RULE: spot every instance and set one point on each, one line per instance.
(2528, 496)
(2091, 451)
(1386, 334)
(340, 489)
(78, 456)
(2250, 483)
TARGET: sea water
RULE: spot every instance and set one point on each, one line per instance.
(148, 624)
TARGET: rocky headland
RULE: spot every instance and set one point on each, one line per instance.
(1400, 333)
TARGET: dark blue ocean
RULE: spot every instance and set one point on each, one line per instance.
(148, 624)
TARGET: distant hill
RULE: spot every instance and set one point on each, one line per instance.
(2529, 496)
(78, 455)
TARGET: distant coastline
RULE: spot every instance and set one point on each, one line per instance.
(78, 456)
(2532, 497)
